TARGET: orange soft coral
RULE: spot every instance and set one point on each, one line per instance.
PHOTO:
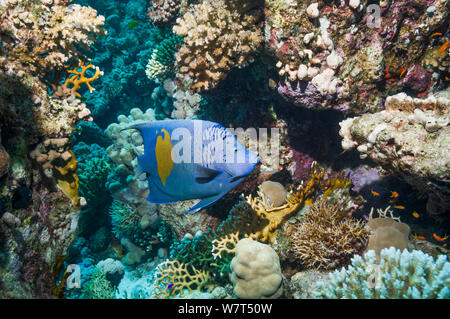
(78, 77)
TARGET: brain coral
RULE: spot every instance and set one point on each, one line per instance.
(398, 275)
(218, 35)
(255, 271)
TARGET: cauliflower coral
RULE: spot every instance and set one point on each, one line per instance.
(219, 35)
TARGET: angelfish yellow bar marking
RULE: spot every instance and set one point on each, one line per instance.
(163, 151)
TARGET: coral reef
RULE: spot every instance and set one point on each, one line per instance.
(218, 35)
(409, 139)
(162, 61)
(398, 275)
(163, 12)
(304, 194)
(40, 193)
(255, 271)
(341, 55)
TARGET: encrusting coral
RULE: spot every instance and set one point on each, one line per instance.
(398, 275)
(410, 140)
(218, 35)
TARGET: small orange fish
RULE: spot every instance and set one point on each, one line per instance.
(399, 207)
(435, 35)
(418, 237)
(342, 152)
(394, 194)
(387, 75)
(440, 238)
(443, 48)
(445, 245)
(415, 214)
(374, 193)
(402, 72)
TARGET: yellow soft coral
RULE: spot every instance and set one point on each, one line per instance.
(173, 278)
(78, 77)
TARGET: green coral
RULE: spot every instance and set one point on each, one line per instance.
(124, 219)
(398, 275)
(162, 61)
(98, 287)
(94, 167)
(198, 253)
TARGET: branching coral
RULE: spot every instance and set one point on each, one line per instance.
(98, 287)
(173, 278)
(326, 237)
(398, 275)
(225, 244)
(410, 140)
(78, 77)
(162, 12)
(43, 35)
(296, 199)
(219, 35)
(163, 58)
(124, 219)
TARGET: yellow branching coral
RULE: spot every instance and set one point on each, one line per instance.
(226, 243)
(78, 77)
(58, 161)
(327, 237)
(218, 35)
(173, 278)
(296, 199)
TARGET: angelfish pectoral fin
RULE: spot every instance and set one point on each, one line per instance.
(204, 202)
(204, 174)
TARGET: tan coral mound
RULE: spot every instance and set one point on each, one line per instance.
(386, 232)
(256, 271)
(219, 35)
(326, 237)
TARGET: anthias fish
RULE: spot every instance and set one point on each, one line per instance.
(191, 159)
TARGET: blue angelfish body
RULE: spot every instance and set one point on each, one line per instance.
(191, 159)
